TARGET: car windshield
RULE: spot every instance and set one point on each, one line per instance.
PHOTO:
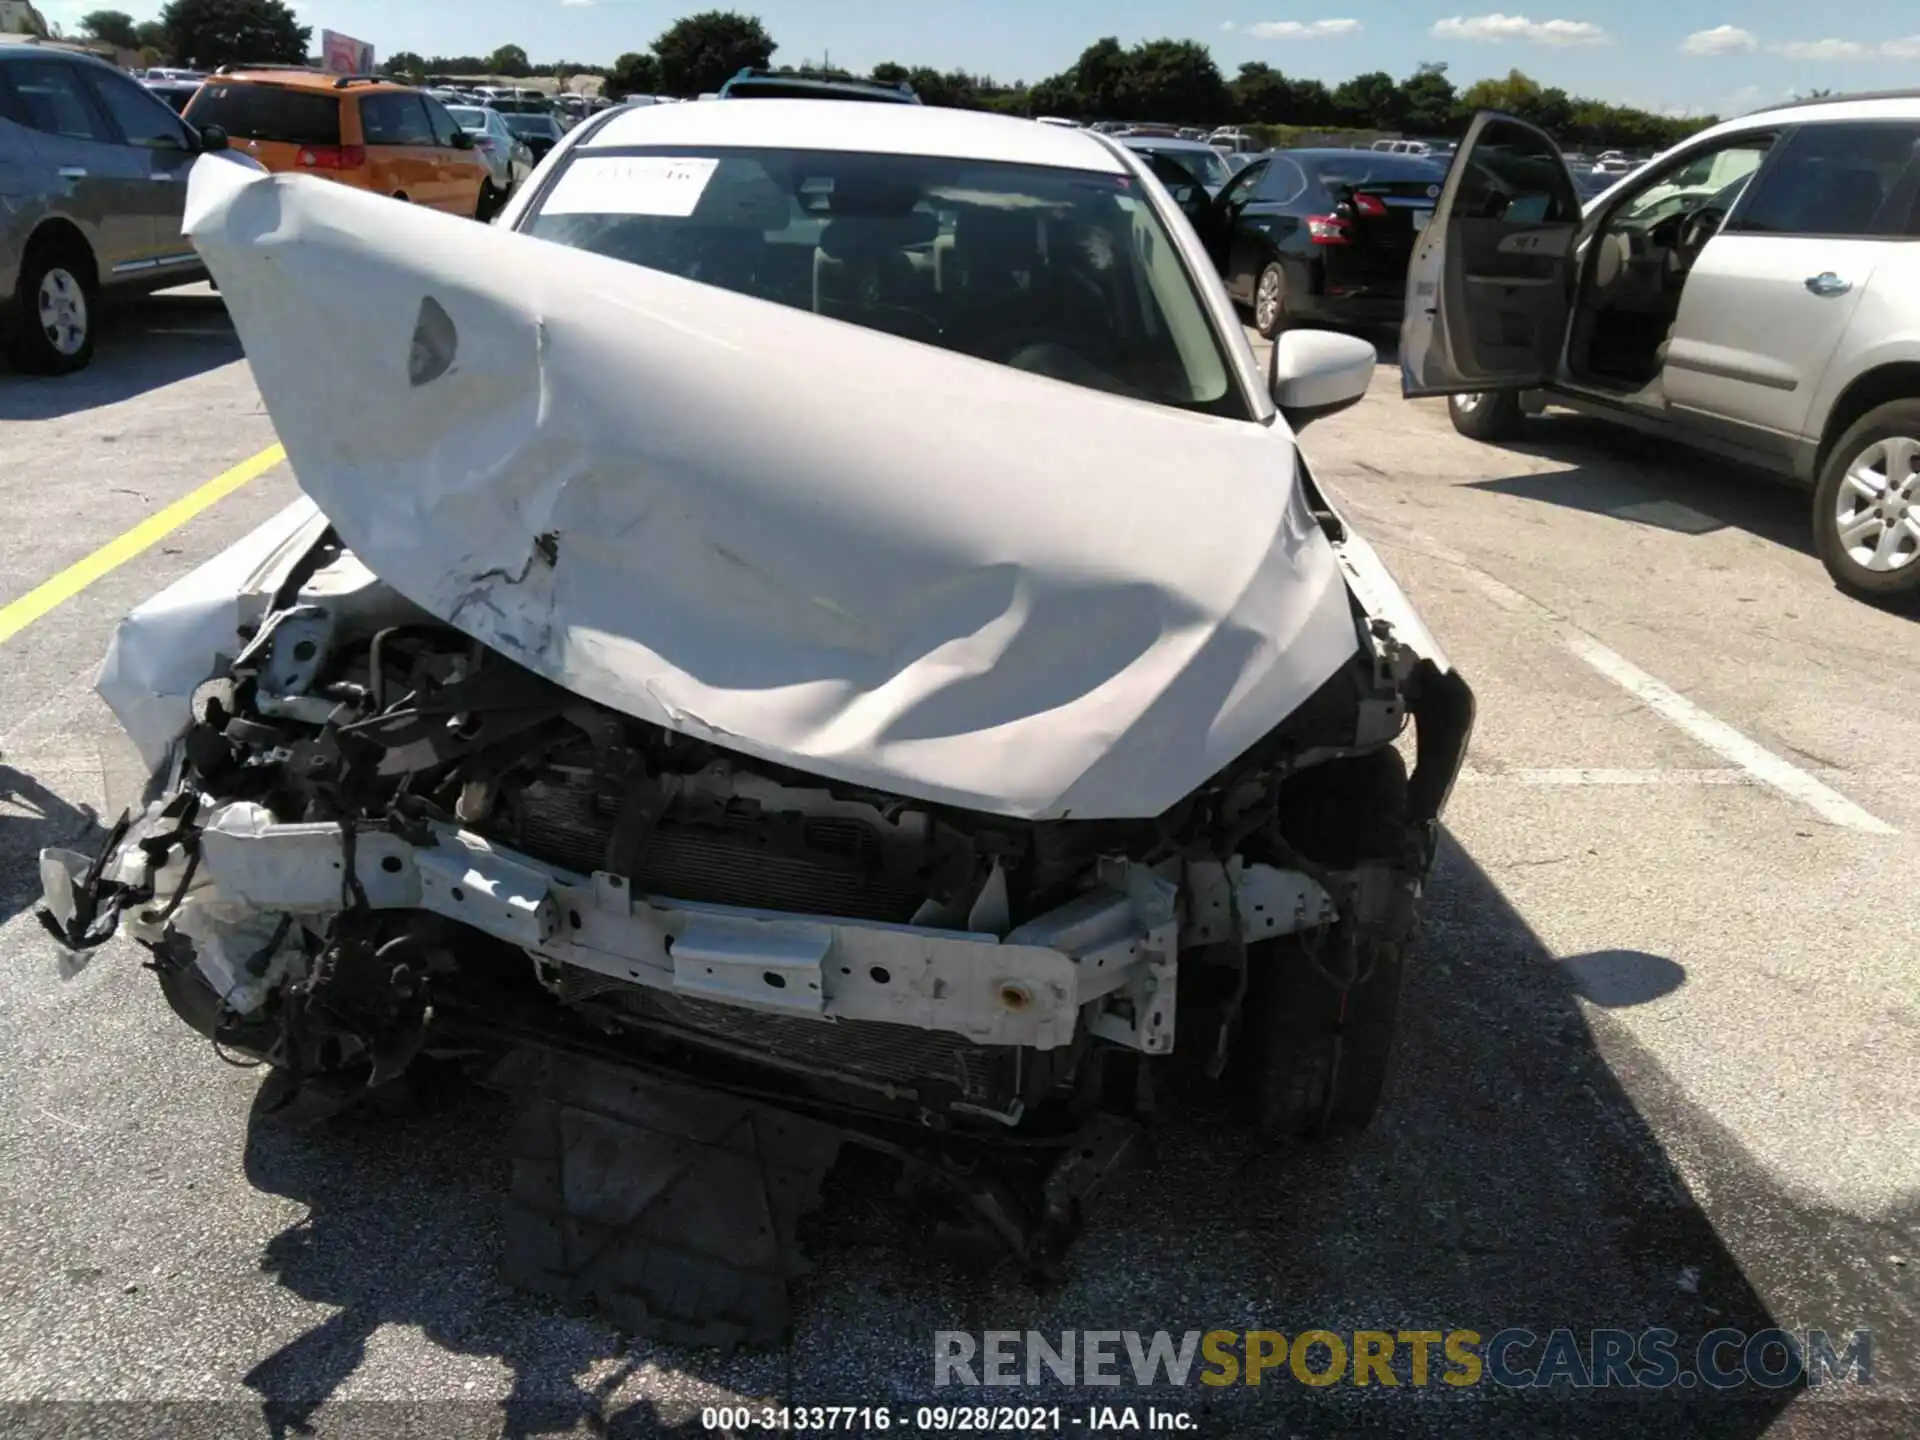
(469, 117)
(1209, 167)
(532, 124)
(267, 112)
(1068, 273)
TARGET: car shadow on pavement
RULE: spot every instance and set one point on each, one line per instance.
(1645, 481)
(1510, 1183)
(143, 345)
(34, 818)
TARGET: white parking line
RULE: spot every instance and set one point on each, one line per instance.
(1669, 704)
(1575, 777)
(1601, 776)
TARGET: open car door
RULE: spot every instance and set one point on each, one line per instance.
(1490, 286)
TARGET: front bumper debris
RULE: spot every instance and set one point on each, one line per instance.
(1107, 959)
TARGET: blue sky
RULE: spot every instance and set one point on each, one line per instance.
(1684, 55)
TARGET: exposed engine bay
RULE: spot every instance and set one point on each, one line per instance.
(379, 839)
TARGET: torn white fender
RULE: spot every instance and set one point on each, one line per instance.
(865, 558)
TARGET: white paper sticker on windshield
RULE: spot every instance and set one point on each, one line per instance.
(630, 185)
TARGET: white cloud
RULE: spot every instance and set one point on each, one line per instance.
(1720, 40)
(1824, 50)
(1303, 29)
(1907, 48)
(1226, 25)
(1499, 27)
(576, 4)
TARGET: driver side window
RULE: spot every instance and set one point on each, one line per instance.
(1696, 180)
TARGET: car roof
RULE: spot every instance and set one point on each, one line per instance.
(1876, 105)
(62, 47)
(857, 125)
(822, 85)
(1163, 142)
(307, 79)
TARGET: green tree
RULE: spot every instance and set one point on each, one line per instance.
(150, 35)
(1514, 95)
(633, 74)
(1373, 99)
(955, 89)
(405, 65)
(1261, 94)
(1103, 76)
(888, 73)
(207, 33)
(1156, 80)
(508, 60)
(111, 27)
(1429, 100)
(702, 52)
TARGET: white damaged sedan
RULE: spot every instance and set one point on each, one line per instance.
(825, 609)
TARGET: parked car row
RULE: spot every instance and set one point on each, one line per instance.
(374, 134)
(96, 165)
(1317, 236)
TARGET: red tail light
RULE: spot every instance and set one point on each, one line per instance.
(484, 142)
(1328, 230)
(333, 157)
(1371, 206)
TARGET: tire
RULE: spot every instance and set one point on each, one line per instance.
(1313, 1054)
(1490, 415)
(1270, 300)
(1866, 508)
(55, 309)
(1317, 1055)
(490, 201)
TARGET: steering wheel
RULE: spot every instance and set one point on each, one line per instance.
(1698, 228)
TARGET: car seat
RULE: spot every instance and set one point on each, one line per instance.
(862, 260)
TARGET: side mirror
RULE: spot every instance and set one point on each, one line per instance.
(462, 140)
(213, 138)
(1317, 373)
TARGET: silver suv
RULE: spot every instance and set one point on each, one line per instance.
(1753, 292)
(95, 168)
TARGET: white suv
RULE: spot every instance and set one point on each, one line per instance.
(1754, 293)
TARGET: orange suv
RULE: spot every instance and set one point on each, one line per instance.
(357, 129)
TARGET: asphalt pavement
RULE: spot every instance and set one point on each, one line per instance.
(1659, 1065)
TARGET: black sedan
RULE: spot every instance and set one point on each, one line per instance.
(1321, 236)
(539, 129)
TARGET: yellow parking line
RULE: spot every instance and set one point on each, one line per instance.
(18, 614)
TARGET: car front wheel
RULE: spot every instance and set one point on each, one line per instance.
(54, 312)
(1866, 509)
(1489, 415)
(1270, 301)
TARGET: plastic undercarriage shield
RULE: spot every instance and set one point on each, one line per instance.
(671, 1207)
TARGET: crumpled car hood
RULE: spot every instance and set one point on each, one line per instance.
(852, 554)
